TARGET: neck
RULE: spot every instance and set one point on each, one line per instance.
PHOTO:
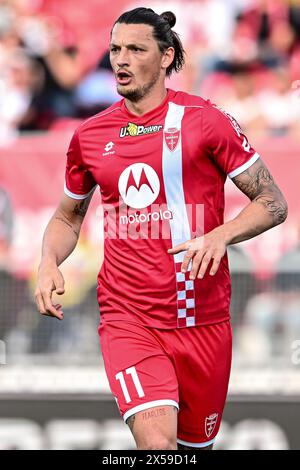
(146, 104)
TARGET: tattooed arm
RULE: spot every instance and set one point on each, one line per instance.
(60, 239)
(267, 208)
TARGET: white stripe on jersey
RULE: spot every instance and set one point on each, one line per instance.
(172, 175)
(179, 224)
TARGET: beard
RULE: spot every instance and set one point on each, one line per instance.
(138, 93)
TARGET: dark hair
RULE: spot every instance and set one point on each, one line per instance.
(162, 32)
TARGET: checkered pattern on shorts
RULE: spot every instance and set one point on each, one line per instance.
(185, 298)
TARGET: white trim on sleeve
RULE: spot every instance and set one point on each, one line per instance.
(244, 167)
(195, 444)
(77, 196)
(150, 404)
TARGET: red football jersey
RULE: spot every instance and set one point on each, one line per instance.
(161, 178)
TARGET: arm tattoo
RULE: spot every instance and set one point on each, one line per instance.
(276, 208)
(82, 207)
(257, 183)
(253, 180)
(130, 422)
(68, 224)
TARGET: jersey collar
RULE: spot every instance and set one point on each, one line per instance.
(154, 112)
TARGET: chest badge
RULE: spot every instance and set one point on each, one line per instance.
(172, 137)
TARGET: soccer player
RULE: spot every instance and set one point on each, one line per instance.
(160, 159)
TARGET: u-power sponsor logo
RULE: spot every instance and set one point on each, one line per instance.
(134, 130)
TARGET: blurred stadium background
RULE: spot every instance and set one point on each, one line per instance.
(54, 72)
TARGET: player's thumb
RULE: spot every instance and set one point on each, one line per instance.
(60, 290)
(59, 285)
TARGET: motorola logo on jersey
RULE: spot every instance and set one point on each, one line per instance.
(139, 185)
(134, 130)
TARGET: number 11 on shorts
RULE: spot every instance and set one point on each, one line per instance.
(131, 371)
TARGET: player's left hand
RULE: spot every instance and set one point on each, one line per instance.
(200, 252)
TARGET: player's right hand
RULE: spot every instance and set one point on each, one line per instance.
(50, 280)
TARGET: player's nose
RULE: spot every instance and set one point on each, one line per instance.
(123, 58)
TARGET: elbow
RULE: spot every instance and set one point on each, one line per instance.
(282, 212)
(286, 210)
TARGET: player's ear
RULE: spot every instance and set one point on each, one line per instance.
(167, 57)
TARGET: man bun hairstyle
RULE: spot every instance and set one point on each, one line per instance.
(169, 17)
(162, 31)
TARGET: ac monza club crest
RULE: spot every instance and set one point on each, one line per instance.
(210, 424)
(172, 136)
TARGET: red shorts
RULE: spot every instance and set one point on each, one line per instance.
(188, 368)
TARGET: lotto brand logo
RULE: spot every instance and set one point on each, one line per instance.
(135, 130)
(108, 149)
(109, 146)
(210, 424)
(139, 185)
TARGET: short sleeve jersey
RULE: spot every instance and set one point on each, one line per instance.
(161, 178)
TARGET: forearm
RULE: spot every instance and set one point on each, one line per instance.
(260, 215)
(267, 208)
(62, 232)
(60, 239)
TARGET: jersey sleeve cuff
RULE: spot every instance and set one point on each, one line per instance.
(77, 196)
(245, 166)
